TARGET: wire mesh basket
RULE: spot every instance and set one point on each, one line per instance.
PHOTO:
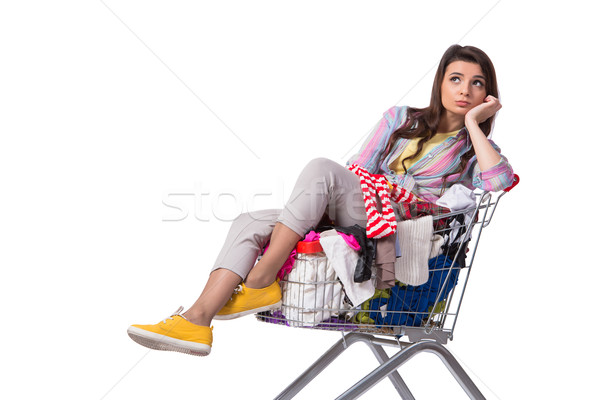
(314, 297)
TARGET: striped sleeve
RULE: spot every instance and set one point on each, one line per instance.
(371, 150)
(496, 178)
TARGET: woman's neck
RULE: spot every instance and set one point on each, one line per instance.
(450, 123)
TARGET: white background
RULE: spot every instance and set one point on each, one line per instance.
(111, 110)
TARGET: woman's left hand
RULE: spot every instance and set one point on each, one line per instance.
(485, 110)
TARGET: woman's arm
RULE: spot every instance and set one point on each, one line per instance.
(492, 171)
(487, 156)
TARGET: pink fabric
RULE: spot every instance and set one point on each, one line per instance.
(311, 236)
(350, 241)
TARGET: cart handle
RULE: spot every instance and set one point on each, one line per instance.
(515, 183)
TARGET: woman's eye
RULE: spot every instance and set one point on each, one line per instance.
(478, 83)
(454, 79)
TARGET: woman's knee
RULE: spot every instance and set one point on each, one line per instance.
(321, 163)
(319, 167)
(244, 219)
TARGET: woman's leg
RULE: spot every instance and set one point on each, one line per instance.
(216, 293)
(283, 241)
(189, 332)
(323, 186)
(247, 237)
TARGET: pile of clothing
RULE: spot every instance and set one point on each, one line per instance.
(389, 281)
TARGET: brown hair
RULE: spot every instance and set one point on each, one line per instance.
(423, 122)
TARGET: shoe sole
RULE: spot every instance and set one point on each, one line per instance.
(157, 341)
(274, 306)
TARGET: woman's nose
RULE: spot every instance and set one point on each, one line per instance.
(464, 89)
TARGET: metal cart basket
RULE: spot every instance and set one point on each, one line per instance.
(425, 315)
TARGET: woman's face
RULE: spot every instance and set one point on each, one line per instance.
(463, 87)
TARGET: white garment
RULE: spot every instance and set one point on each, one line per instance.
(458, 198)
(415, 237)
(311, 292)
(343, 259)
(436, 246)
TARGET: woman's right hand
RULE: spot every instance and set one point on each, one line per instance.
(482, 112)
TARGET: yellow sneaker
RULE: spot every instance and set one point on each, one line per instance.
(174, 333)
(246, 301)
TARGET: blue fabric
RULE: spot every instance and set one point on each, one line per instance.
(415, 301)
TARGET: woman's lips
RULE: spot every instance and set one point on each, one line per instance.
(461, 103)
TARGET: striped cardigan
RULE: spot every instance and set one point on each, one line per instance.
(424, 178)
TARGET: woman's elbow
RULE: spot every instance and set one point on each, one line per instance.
(495, 179)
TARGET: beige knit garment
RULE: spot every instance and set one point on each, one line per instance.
(414, 236)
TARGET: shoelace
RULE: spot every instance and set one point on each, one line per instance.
(239, 289)
(176, 313)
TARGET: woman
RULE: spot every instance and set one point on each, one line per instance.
(421, 150)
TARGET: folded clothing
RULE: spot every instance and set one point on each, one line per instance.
(415, 241)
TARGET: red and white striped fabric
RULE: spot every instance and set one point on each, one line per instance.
(380, 224)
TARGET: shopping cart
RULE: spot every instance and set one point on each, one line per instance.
(425, 315)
